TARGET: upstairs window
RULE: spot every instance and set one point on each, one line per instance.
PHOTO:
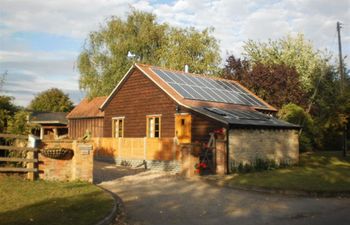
(118, 127)
(153, 126)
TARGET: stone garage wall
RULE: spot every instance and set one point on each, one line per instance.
(247, 145)
(78, 167)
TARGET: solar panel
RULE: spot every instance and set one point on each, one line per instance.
(208, 89)
(238, 114)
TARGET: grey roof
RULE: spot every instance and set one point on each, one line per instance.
(48, 117)
(192, 86)
(245, 118)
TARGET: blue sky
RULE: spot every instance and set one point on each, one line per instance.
(40, 40)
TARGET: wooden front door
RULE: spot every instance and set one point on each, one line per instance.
(183, 127)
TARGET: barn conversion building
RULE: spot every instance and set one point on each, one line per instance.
(155, 103)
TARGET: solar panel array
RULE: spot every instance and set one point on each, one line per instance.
(239, 114)
(207, 89)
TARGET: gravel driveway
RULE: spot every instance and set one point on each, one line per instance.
(157, 198)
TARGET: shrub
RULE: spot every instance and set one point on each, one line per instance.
(257, 165)
(240, 168)
(295, 114)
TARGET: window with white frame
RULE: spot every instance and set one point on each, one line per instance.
(118, 127)
(153, 126)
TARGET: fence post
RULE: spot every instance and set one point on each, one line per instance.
(144, 148)
(30, 174)
(120, 148)
(174, 148)
(32, 155)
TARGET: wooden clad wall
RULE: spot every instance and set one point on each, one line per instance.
(202, 126)
(139, 97)
(78, 127)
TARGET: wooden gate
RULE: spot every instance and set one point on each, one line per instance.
(30, 157)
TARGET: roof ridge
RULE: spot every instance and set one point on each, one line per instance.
(192, 74)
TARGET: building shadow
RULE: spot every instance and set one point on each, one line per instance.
(107, 171)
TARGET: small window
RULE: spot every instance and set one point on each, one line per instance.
(153, 126)
(182, 122)
(118, 127)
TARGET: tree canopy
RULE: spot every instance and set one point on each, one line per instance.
(289, 73)
(278, 84)
(18, 124)
(7, 110)
(292, 51)
(110, 51)
(51, 100)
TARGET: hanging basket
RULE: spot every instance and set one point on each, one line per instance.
(57, 153)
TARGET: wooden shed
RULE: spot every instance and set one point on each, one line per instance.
(153, 103)
(52, 125)
(86, 118)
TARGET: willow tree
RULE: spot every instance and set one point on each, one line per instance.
(110, 51)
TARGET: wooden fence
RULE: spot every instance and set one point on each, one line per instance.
(30, 157)
(137, 148)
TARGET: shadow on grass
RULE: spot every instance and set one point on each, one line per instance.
(78, 210)
(325, 171)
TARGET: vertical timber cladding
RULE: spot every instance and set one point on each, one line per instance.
(78, 127)
(137, 98)
(247, 145)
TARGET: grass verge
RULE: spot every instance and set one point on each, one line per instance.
(316, 172)
(54, 203)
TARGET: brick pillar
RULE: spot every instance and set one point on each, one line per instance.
(188, 160)
(221, 157)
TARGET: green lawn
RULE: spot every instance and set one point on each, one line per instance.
(326, 171)
(54, 203)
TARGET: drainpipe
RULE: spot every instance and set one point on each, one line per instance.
(227, 150)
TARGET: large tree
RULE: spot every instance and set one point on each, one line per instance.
(110, 51)
(278, 84)
(51, 100)
(331, 109)
(292, 51)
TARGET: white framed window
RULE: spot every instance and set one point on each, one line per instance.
(153, 129)
(118, 127)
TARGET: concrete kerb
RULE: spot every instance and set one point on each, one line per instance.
(117, 214)
(295, 193)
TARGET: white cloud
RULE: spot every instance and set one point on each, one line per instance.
(63, 17)
(29, 73)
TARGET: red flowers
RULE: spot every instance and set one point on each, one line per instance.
(220, 131)
(200, 166)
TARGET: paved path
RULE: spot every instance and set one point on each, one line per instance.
(154, 198)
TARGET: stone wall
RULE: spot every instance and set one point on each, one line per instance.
(172, 166)
(77, 167)
(247, 145)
